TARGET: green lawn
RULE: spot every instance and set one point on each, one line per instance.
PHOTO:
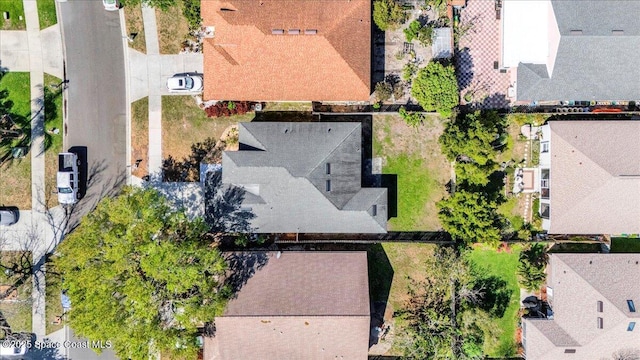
(17, 310)
(502, 265)
(625, 245)
(15, 175)
(16, 15)
(413, 156)
(53, 305)
(47, 13)
(53, 119)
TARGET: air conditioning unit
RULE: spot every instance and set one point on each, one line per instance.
(257, 107)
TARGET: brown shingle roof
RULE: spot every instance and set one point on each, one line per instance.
(245, 61)
(595, 177)
(303, 305)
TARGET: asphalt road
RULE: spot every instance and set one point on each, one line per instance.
(96, 98)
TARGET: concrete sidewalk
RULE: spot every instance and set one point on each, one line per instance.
(148, 74)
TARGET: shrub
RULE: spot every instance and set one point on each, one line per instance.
(377, 106)
(388, 14)
(411, 32)
(231, 105)
(383, 91)
(436, 88)
(424, 34)
(223, 108)
(533, 261)
(408, 71)
(191, 11)
(412, 119)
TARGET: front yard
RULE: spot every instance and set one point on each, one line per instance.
(135, 27)
(140, 137)
(173, 29)
(184, 124)
(53, 120)
(501, 265)
(47, 13)
(16, 15)
(17, 306)
(15, 175)
(413, 154)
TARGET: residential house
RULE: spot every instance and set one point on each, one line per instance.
(299, 305)
(304, 178)
(590, 177)
(282, 50)
(572, 50)
(594, 299)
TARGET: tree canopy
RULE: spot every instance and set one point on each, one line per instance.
(531, 269)
(436, 89)
(470, 217)
(473, 137)
(141, 275)
(388, 14)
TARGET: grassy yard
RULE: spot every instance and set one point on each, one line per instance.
(15, 175)
(413, 154)
(502, 265)
(173, 29)
(17, 310)
(133, 18)
(16, 15)
(53, 305)
(140, 136)
(288, 106)
(47, 13)
(53, 119)
(625, 245)
(184, 124)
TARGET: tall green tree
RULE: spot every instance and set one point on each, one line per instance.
(470, 217)
(531, 269)
(141, 275)
(436, 88)
(388, 14)
(472, 137)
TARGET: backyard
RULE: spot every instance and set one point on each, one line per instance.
(16, 15)
(413, 154)
(502, 265)
(15, 174)
(184, 124)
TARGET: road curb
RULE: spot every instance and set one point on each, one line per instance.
(127, 76)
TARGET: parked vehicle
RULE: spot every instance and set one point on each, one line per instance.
(185, 83)
(67, 178)
(111, 5)
(8, 216)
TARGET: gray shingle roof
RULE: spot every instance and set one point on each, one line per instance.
(579, 281)
(284, 166)
(303, 305)
(595, 177)
(596, 65)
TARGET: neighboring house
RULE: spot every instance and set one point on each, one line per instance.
(590, 177)
(572, 50)
(283, 50)
(594, 299)
(299, 305)
(304, 178)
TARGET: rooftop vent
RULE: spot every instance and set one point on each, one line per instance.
(277, 31)
(310, 32)
(576, 32)
(617, 32)
(294, 32)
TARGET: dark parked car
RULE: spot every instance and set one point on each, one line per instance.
(8, 216)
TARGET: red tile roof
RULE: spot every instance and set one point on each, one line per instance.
(245, 61)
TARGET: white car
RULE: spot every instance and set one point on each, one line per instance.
(111, 5)
(185, 83)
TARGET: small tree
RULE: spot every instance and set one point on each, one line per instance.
(383, 91)
(470, 217)
(531, 269)
(388, 14)
(472, 137)
(416, 31)
(409, 70)
(436, 88)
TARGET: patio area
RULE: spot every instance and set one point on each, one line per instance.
(483, 83)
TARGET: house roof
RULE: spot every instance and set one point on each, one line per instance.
(579, 281)
(245, 60)
(300, 305)
(284, 168)
(594, 177)
(594, 60)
